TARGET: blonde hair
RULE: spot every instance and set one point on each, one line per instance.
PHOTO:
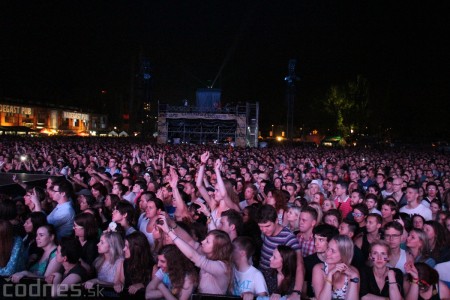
(297, 210)
(116, 244)
(345, 247)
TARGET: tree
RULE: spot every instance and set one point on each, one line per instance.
(338, 104)
(349, 104)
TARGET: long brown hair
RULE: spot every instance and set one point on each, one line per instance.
(222, 246)
(140, 263)
(289, 268)
(178, 267)
(6, 242)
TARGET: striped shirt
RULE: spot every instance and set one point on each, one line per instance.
(270, 243)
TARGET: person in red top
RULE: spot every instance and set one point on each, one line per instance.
(342, 200)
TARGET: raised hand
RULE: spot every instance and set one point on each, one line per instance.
(204, 157)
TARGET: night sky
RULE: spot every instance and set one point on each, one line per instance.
(67, 52)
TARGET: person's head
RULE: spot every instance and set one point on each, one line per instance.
(45, 236)
(250, 191)
(380, 178)
(119, 189)
(435, 206)
(139, 186)
(379, 253)
(291, 188)
(431, 189)
(322, 236)
(340, 250)
(154, 207)
(412, 194)
(314, 187)
(85, 226)
(111, 201)
(123, 213)
(418, 240)
(243, 246)
(249, 213)
(327, 205)
(360, 213)
(284, 260)
(436, 234)
(110, 245)
(356, 197)
(397, 184)
(137, 249)
(69, 250)
(173, 262)
(308, 219)
(341, 188)
(348, 228)
(374, 189)
(393, 232)
(99, 190)
(217, 245)
(293, 215)
(428, 277)
(85, 202)
(35, 220)
(145, 196)
(332, 217)
(277, 199)
(389, 209)
(418, 221)
(318, 198)
(373, 223)
(231, 221)
(267, 217)
(62, 191)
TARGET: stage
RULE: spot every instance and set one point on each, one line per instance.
(9, 187)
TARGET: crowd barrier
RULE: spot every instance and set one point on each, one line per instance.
(36, 288)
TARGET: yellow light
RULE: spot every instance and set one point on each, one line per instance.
(279, 138)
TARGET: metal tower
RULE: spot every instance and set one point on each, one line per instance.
(290, 98)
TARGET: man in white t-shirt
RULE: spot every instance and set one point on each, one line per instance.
(413, 206)
(248, 282)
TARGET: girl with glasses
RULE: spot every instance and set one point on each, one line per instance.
(424, 283)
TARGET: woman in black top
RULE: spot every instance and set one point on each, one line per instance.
(137, 266)
(86, 231)
(380, 280)
(68, 254)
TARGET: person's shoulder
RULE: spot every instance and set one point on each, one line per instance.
(318, 267)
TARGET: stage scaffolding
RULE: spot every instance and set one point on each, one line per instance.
(200, 125)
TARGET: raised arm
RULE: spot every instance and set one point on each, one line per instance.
(199, 182)
(181, 210)
(184, 247)
(222, 190)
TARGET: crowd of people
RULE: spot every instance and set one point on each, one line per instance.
(169, 221)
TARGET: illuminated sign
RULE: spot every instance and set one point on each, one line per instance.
(74, 115)
(15, 109)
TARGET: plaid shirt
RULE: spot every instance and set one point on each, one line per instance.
(306, 245)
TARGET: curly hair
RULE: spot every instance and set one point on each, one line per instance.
(178, 267)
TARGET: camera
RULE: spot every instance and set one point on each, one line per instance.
(160, 222)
